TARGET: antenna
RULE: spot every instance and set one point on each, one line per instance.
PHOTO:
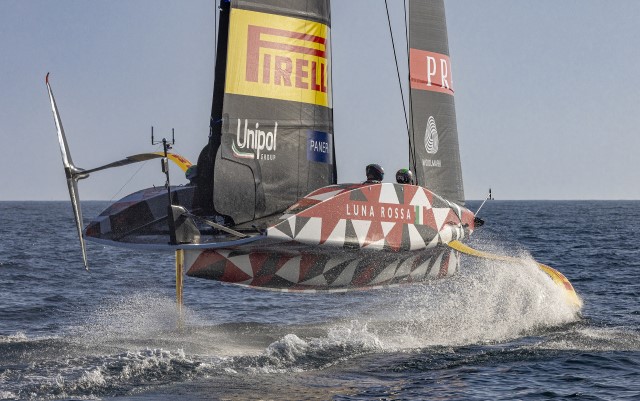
(164, 140)
(166, 145)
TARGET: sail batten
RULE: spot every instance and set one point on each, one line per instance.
(434, 144)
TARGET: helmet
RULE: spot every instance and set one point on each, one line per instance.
(404, 176)
(192, 172)
(374, 172)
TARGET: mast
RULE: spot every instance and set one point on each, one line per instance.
(203, 198)
(434, 152)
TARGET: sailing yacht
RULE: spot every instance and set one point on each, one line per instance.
(264, 208)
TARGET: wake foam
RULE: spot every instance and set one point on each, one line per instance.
(143, 320)
(291, 353)
(487, 301)
(93, 376)
(18, 337)
(141, 315)
(134, 342)
(593, 339)
(99, 375)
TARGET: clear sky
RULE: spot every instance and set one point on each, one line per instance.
(547, 93)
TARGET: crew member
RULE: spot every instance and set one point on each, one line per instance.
(375, 174)
(191, 174)
(404, 176)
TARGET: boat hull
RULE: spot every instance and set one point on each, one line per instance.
(379, 216)
(337, 238)
(292, 267)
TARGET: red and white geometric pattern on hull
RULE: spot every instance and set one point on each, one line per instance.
(374, 216)
(291, 267)
(346, 237)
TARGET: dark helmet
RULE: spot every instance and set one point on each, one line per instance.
(374, 172)
(404, 176)
(192, 172)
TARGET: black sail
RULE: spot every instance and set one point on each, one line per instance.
(434, 152)
(272, 134)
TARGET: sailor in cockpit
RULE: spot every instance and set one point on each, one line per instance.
(404, 176)
(375, 174)
(192, 174)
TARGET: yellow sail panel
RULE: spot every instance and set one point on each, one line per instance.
(278, 57)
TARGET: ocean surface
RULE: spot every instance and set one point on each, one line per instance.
(493, 332)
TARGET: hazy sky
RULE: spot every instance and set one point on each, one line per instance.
(547, 93)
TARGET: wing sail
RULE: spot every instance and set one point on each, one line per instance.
(272, 122)
(434, 153)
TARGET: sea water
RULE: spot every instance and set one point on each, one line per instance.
(493, 331)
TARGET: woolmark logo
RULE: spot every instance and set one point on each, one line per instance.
(255, 143)
(431, 140)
